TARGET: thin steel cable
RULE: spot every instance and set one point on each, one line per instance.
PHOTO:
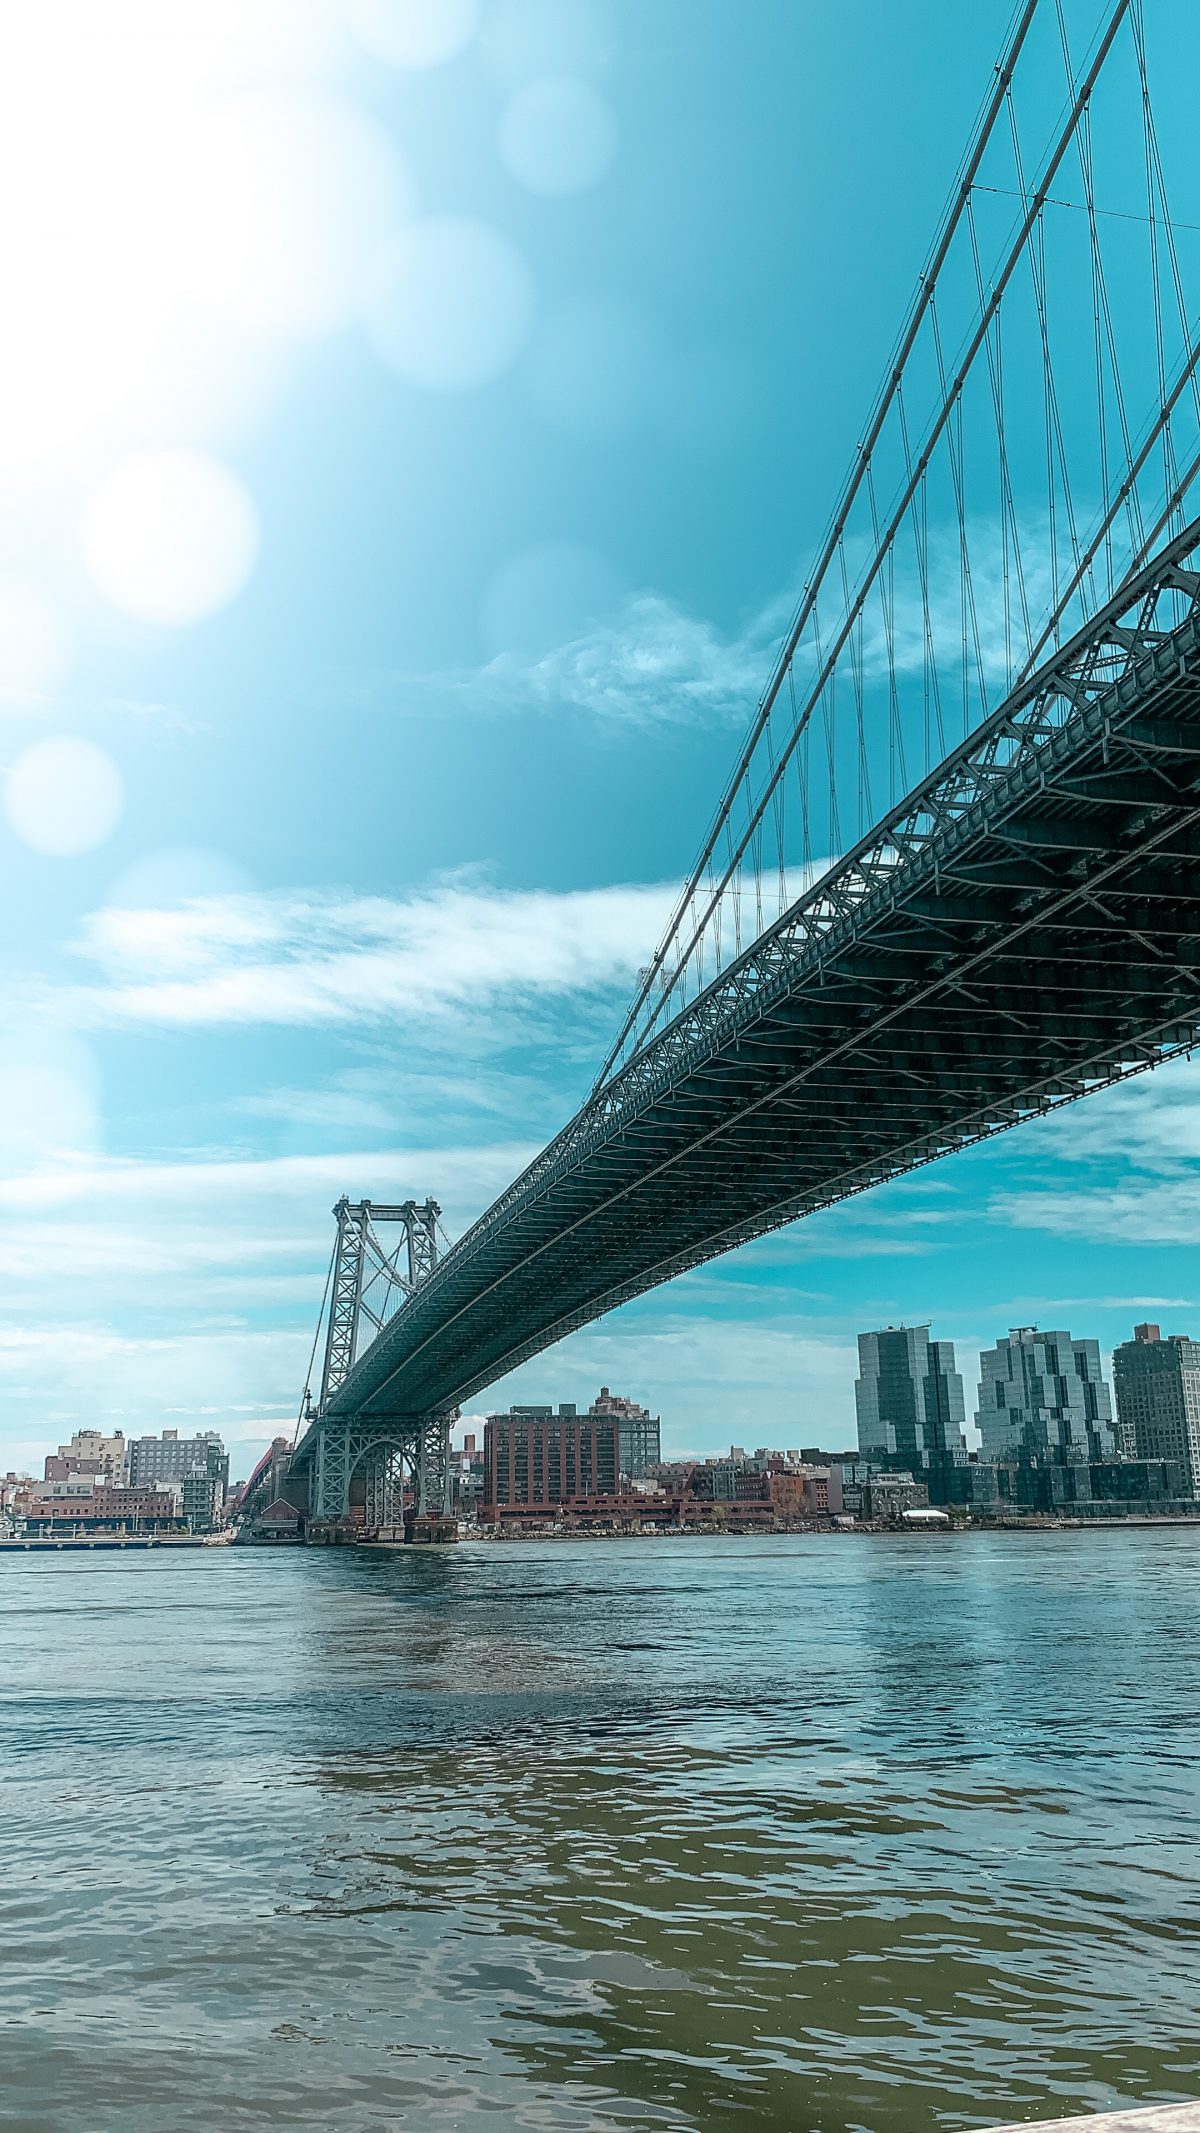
(816, 691)
(1010, 543)
(830, 756)
(1187, 373)
(931, 698)
(802, 767)
(1170, 471)
(1166, 223)
(1055, 442)
(1134, 508)
(1080, 207)
(887, 594)
(306, 1394)
(863, 804)
(957, 455)
(926, 283)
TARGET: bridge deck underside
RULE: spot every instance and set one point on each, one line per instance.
(1046, 942)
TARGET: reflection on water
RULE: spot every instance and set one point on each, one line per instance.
(683, 1834)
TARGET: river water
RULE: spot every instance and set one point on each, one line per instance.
(769, 1833)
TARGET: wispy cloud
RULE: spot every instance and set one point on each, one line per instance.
(205, 1183)
(1165, 1212)
(987, 629)
(652, 663)
(1133, 1153)
(301, 958)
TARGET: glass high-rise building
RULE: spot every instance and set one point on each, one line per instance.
(1157, 1383)
(909, 1400)
(1043, 1400)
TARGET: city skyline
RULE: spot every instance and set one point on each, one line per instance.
(951, 1414)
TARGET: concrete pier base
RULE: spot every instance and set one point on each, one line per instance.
(431, 1528)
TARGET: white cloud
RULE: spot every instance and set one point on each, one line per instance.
(1158, 1213)
(1151, 1120)
(197, 1283)
(1135, 1150)
(996, 642)
(187, 1188)
(297, 958)
(716, 1378)
(652, 663)
(57, 1378)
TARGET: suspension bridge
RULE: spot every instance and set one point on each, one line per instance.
(952, 881)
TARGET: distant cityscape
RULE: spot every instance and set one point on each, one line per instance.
(1051, 1446)
(164, 1487)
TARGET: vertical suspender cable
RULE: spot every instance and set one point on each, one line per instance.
(974, 343)
(926, 284)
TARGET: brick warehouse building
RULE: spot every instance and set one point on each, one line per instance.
(107, 1510)
(534, 1460)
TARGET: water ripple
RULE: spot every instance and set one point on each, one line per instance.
(804, 1835)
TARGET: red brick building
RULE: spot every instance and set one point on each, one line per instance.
(535, 1461)
(147, 1510)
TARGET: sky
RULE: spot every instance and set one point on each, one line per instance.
(416, 421)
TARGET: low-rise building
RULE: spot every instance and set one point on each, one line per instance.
(867, 1489)
(105, 1509)
(277, 1521)
(16, 1493)
(816, 1490)
(466, 1475)
(888, 1498)
(91, 1454)
(202, 1501)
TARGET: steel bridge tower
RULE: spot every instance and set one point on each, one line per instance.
(370, 1279)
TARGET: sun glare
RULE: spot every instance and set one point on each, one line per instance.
(189, 189)
(157, 190)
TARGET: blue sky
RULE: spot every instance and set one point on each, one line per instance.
(416, 428)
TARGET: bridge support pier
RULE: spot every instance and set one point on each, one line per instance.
(385, 1456)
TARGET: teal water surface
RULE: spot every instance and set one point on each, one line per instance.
(769, 1833)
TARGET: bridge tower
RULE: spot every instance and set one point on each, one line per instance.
(383, 1254)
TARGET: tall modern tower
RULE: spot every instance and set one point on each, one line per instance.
(1157, 1383)
(909, 1398)
(1043, 1399)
